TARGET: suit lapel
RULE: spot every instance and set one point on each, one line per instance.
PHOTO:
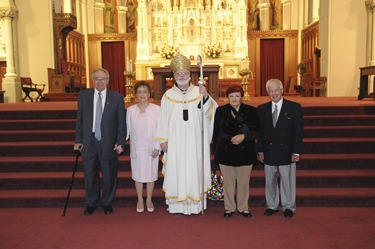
(107, 103)
(283, 111)
(90, 102)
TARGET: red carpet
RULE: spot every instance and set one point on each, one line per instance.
(310, 228)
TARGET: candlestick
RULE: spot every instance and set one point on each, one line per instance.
(127, 64)
(129, 87)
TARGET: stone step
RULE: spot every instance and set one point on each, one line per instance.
(66, 163)
(44, 123)
(305, 179)
(68, 135)
(310, 146)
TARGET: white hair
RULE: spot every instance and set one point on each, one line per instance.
(274, 82)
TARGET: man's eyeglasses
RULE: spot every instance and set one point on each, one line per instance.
(182, 73)
(100, 79)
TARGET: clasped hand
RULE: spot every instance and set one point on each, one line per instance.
(118, 149)
(237, 139)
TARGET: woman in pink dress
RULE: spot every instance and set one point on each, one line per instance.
(141, 120)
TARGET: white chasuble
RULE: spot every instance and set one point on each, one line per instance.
(180, 124)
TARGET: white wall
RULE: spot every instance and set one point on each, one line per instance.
(35, 39)
(342, 38)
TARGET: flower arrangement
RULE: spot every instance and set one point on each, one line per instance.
(213, 51)
(168, 51)
(216, 192)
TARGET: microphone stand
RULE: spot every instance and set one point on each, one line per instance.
(201, 82)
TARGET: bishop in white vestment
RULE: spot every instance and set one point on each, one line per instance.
(179, 131)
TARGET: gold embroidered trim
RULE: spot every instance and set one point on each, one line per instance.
(180, 101)
(161, 139)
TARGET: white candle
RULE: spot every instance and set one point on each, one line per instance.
(131, 66)
(127, 64)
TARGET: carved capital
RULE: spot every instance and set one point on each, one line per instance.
(263, 5)
(370, 5)
(7, 13)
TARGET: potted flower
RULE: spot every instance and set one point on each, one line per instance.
(213, 51)
(168, 51)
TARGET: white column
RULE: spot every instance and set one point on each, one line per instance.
(241, 46)
(11, 84)
(121, 17)
(90, 16)
(370, 55)
(287, 14)
(85, 28)
(264, 16)
(9, 44)
(99, 17)
(142, 33)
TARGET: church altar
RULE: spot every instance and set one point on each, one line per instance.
(192, 27)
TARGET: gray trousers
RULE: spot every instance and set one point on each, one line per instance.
(287, 186)
(93, 164)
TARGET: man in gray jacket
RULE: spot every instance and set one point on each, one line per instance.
(100, 136)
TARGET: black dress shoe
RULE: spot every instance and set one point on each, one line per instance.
(108, 209)
(270, 212)
(228, 214)
(89, 210)
(246, 214)
(288, 213)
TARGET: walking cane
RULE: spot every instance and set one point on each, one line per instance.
(78, 152)
(201, 82)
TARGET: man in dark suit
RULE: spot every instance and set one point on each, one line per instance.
(100, 136)
(279, 147)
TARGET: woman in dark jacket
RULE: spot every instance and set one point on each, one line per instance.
(235, 129)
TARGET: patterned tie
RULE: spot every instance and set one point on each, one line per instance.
(274, 116)
(98, 117)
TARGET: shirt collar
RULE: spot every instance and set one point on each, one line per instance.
(104, 92)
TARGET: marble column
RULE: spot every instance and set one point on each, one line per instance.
(264, 16)
(370, 54)
(121, 17)
(287, 15)
(99, 17)
(11, 84)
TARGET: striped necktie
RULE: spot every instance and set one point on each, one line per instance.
(274, 116)
(98, 117)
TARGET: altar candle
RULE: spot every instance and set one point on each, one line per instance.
(131, 66)
(127, 64)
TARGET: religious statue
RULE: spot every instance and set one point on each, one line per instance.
(131, 15)
(254, 15)
(275, 14)
(109, 17)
